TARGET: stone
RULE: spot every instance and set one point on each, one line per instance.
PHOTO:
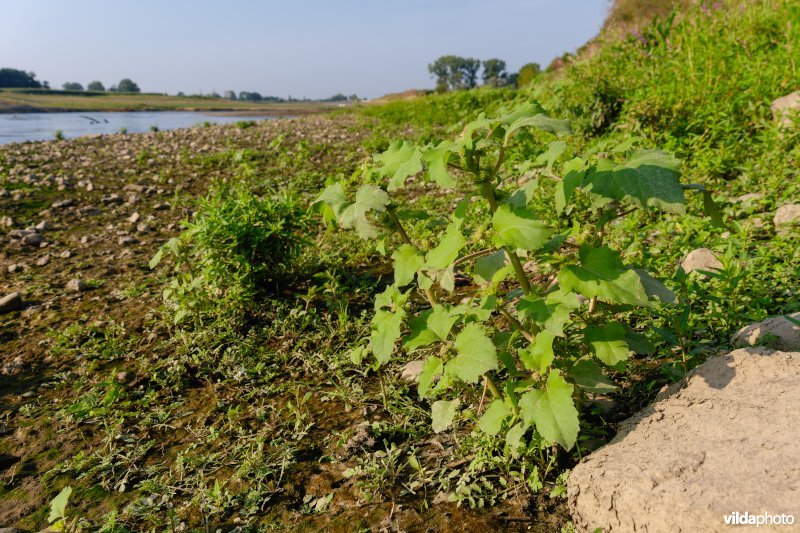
(787, 214)
(412, 370)
(134, 218)
(66, 254)
(700, 259)
(13, 366)
(124, 377)
(112, 199)
(14, 268)
(749, 197)
(718, 443)
(6, 222)
(77, 285)
(10, 302)
(43, 261)
(63, 203)
(784, 107)
(43, 226)
(777, 332)
(127, 240)
(32, 239)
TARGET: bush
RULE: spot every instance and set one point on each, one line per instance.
(237, 248)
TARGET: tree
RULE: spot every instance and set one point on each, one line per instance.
(72, 86)
(230, 95)
(95, 86)
(494, 72)
(127, 85)
(338, 97)
(453, 73)
(11, 77)
(527, 74)
(251, 97)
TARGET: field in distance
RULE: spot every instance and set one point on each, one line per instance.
(32, 100)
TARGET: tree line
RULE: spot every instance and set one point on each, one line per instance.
(20, 79)
(454, 73)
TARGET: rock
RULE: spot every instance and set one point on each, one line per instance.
(42, 261)
(777, 332)
(6, 222)
(700, 259)
(77, 285)
(63, 203)
(412, 370)
(142, 228)
(32, 239)
(718, 445)
(749, 197)
(787, 214)
(124, 377)
(66, 254)
(783, 108)
(10, 302)
(134, 218)
(43, 226)
(127, 240)
(15, 267)
(112, 199)
(161, 207)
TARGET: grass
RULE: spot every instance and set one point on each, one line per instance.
(15, 101)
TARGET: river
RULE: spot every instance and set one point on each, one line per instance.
(22, 127)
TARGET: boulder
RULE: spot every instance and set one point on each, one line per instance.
(724, 441)
(787, 214)
(776, 332)
(700, 259)
(784, 107)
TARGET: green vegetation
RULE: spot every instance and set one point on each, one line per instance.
(522, 253)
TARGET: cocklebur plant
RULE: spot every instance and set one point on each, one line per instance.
(541, 323)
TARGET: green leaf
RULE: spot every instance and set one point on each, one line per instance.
(532, 115)
(602, 274)
(368, 198)
(385, 332)
(436, 159)
(399, 161)
(654, 288)
(447, 250)
(554, 151)
(566, 188)
(441, 321)
(58, 506)
(156, 258)
(588, 375)
(492, 420)
(607, 342)
(514, 437)
(443, 412)
(550, 312)
(419, 335)
(476, 355)
(431, 368)
(517, 228)
(539, 356)
(552, 411)
(648, 179)
(488, 266)
(406, 263)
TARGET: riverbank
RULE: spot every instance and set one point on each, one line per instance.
(15, 101)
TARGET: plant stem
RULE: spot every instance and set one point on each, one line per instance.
(492, 387)
(519, 272)
(474, 255)
(400, 229)
(516, 323)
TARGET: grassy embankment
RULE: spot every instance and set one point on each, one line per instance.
(25, 100)
(240, 405)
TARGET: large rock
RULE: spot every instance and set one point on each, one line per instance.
(700, 259)
(726, 442)
(786, 214)
(777, 332)
(784, 107)
(10, 302)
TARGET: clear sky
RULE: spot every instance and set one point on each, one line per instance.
(312, 48)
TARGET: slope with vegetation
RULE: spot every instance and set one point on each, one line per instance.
(254, 379)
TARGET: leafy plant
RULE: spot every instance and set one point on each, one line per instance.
(58, 511)
(542, 321)
(231, 250)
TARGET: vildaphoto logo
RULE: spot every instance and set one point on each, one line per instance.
(764, 519)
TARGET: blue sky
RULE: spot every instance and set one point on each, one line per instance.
(310, 48)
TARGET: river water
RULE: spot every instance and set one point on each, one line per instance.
(43, 126)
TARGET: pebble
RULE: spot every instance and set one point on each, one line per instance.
(134, 218)
(13, 268)
(66, 254)
(127, 240)
(63, 203)
(10, 302)
(43, 226)
(6, 222)
(42, 261)
(77, 285)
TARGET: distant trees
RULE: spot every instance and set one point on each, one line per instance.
(453, 73)
(72, 86)
(95, 86)
(250, 96)
(230, 95)
(494, 72)
(126, 85)
(11, 77)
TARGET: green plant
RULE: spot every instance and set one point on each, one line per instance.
(236, 245)
(59, 135)
(58, 512)
(123, 130)
(543, 321)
